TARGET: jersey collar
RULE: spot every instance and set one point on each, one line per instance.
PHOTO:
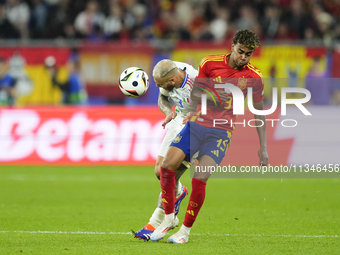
(184, 80)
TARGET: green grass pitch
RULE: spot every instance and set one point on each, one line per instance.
(91, 210)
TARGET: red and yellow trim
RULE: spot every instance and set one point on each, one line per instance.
(212, 58)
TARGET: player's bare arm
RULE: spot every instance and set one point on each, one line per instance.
(165, 107)
(164, 104)
(261, 131)
(195, 96)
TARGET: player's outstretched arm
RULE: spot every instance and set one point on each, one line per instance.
(165, 107)
(187, 118)
(261, 131)
(197, 92)
(195, 98)
(195, 95)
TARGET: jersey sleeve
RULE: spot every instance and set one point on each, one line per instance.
(203, 73)
(164, 92)
(203, 68)
(258, 92)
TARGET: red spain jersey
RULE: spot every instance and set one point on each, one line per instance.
(215, 69)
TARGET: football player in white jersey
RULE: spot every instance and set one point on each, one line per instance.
(175, 80)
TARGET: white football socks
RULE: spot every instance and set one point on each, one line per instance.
(185, 229)
(179, 189)
(157, 217)
(169, 217)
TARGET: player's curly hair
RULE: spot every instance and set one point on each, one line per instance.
(247, 38)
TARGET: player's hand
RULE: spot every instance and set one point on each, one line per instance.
(263, 155)
(222, 94)
(187, 118)
(168, 118)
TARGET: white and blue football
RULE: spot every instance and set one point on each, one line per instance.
(134, 82)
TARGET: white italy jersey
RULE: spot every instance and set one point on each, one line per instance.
(181, 96)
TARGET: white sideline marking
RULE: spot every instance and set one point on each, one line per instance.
(129, 233)
(85, 178)
(65, 232)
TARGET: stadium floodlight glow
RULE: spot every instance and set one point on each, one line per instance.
(238, 100)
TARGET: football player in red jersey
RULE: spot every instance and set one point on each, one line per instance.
(201, 134)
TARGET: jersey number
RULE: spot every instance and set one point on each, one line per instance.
(222, 145)
(228, 102)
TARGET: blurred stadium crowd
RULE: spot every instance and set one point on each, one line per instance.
(140, 20)
(24, 80)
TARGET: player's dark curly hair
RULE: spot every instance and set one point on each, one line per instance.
(247, 38)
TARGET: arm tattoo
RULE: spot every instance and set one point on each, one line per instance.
(164, 104)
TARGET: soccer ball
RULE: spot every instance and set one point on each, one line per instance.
(134, 82)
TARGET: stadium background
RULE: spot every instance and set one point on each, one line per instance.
(109, 36)
(75, 179)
